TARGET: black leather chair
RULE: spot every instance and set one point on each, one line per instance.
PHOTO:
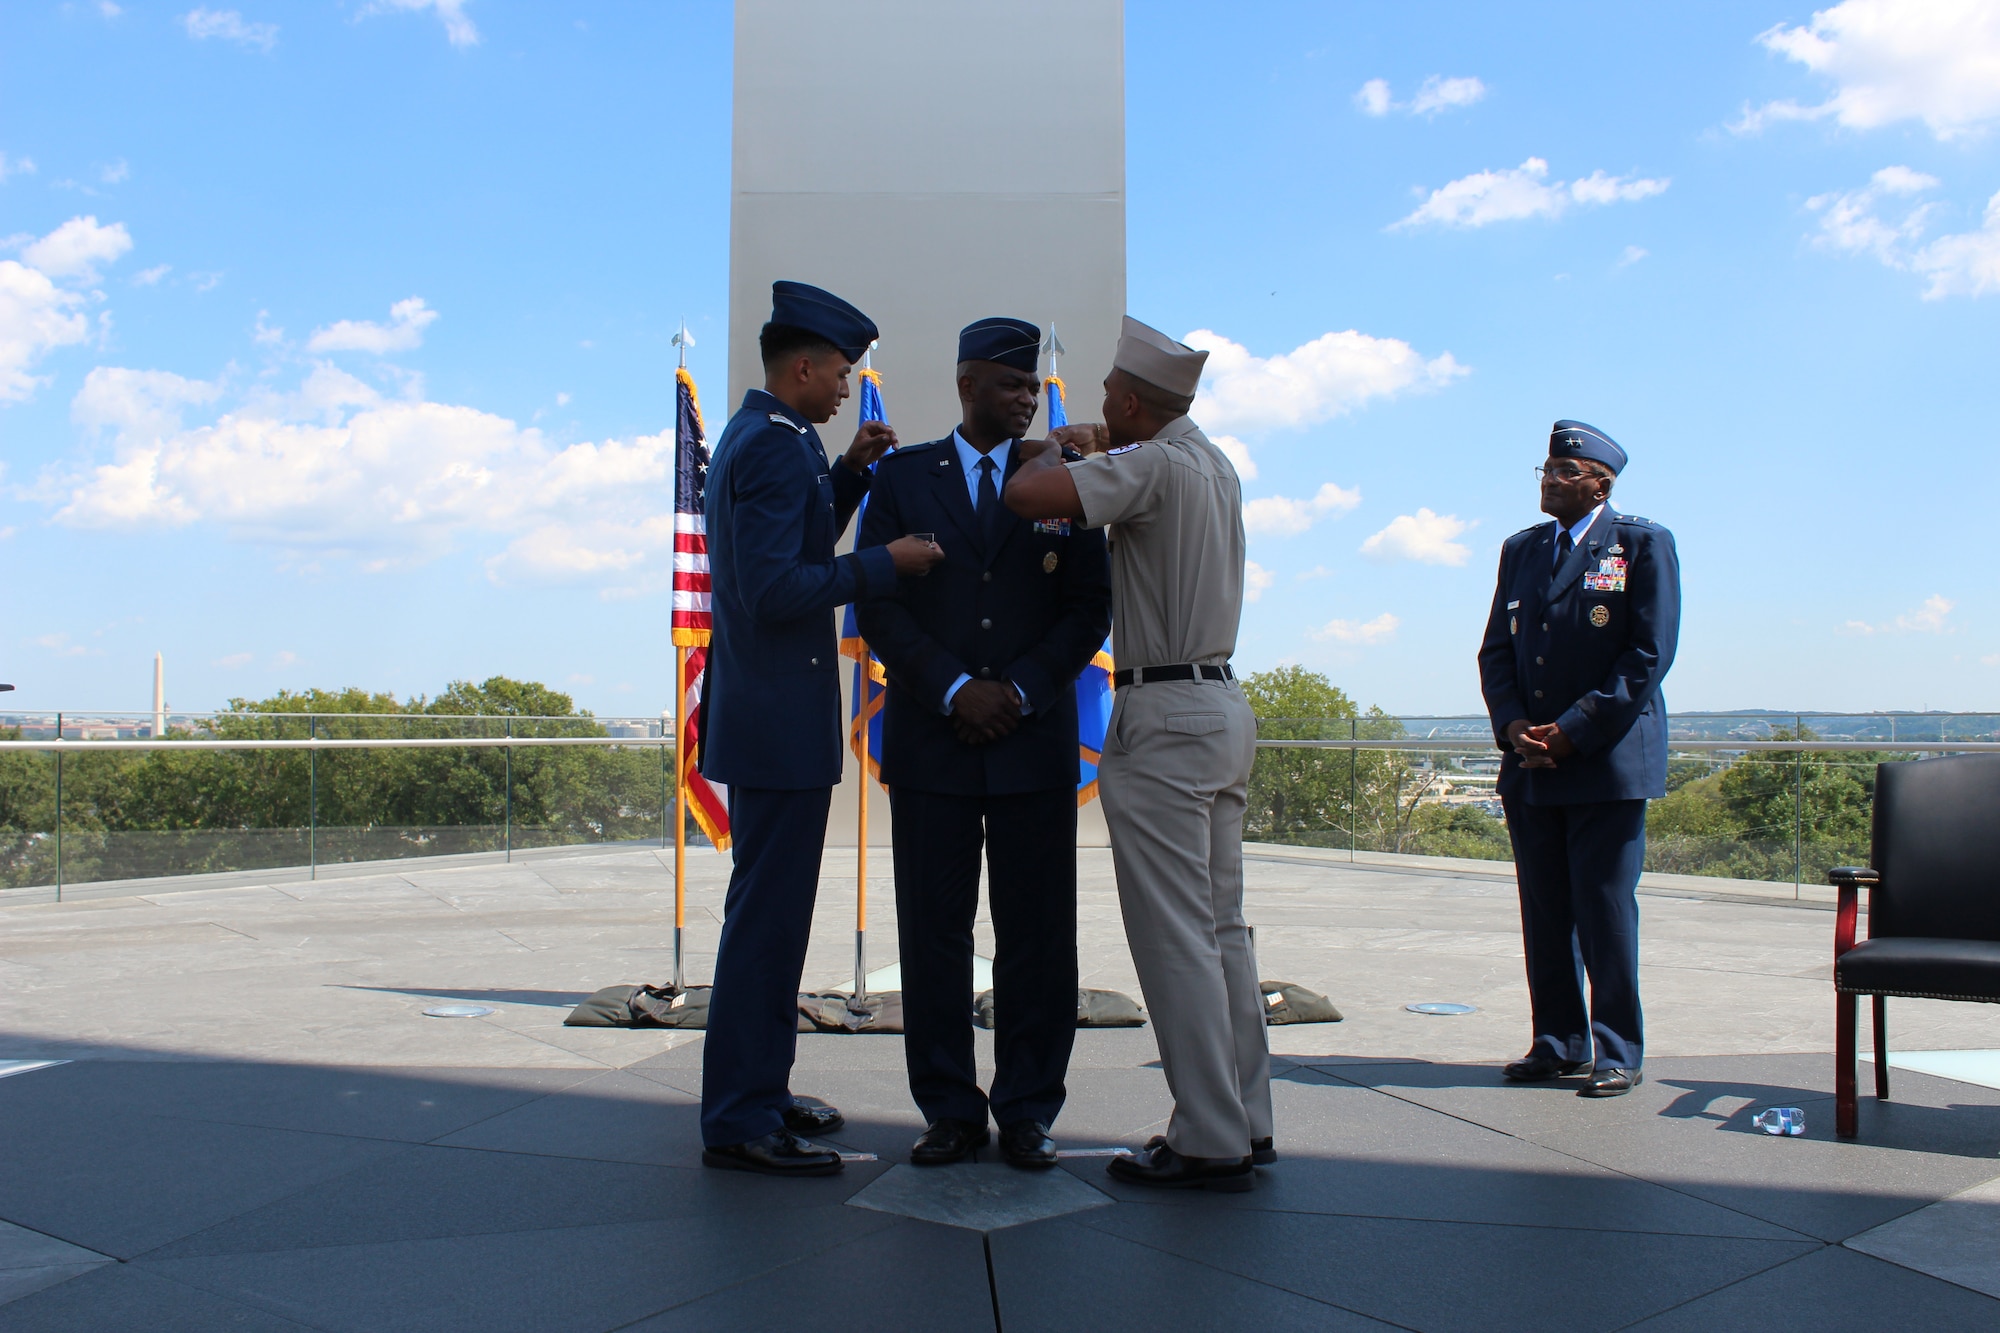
(1933, 906)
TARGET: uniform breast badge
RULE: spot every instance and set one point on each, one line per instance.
(1600, 615)
(1052, 527)
(1513, 625)
(1608, 577)
(1049, 563)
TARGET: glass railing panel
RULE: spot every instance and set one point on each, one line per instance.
(574, 795)
(393, 803)
(27, 813)
(155, 813)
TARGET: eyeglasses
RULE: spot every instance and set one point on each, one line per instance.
(1564, 472)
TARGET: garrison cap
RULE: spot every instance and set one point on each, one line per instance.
(818, 311)
(1014, 343)
(1146, 354)
(1573, 439)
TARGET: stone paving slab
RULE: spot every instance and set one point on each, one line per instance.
(268, 1134)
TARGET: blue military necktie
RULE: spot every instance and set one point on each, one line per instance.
(1564, 545)
(989, 503)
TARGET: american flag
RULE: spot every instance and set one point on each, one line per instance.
(692, 622)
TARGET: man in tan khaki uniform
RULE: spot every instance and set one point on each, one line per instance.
(1177, 755)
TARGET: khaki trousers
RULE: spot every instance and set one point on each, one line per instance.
(1174, 778)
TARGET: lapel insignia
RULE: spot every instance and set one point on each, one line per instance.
(1600, 615)
(1049, 563)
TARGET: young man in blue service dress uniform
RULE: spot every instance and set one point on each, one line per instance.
(770, 724)
(1582, 631)
(979, 747)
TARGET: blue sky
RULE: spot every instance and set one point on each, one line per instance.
(334, 337)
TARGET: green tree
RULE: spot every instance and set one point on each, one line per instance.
(1299, 796)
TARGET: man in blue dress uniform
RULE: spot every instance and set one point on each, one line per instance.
(1582, 631)
(979, 747)
(770, 724)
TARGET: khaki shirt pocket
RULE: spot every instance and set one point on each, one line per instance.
(1196, 724)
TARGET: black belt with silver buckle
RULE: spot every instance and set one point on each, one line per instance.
(1178, 671)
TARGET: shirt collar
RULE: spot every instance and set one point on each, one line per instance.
(968, 457)
(1582, 525)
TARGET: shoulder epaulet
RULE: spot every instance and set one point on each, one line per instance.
(905, 450)
(1634, 518)
(1533, 527)
(780, 419)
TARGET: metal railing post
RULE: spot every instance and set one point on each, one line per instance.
(1798, 808)
(312, 800)
(1353, 790)
(509, 752)
(59, 759)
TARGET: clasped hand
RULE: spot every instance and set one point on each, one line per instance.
(1539, 747)
(984, 711)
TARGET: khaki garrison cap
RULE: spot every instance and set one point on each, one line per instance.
(1146, 354)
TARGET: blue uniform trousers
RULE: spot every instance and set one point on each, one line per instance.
(1578, 868)
(753, 1012)
(1030, 844)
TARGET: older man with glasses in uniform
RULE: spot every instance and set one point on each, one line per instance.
(1585, 619)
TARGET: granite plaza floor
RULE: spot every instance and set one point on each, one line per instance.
(257, 1128)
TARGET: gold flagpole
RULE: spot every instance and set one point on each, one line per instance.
(680, 816)
(861, 838)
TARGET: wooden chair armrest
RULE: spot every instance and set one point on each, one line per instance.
(1847, 881)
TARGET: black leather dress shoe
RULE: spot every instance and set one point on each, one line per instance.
(1540, 1067)
(1160, 1167)
(780, 1153)
(1026, 1143)
(948, 1141)
(805, 1120)
(1262, 1152)
(1611, 1083)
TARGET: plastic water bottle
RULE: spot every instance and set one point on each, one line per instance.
(1781, 1120)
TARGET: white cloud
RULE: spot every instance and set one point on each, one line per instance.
(109, 10)
(150, 277)
(332, 466)
(1308, 575)
(266, 335)
(1378, 630)
(1937, 61)
(1437, 94)
(1323, 379)
(1282, 517)
(1256, 578)
(234, 660)
(458, 29)
(1964, 264)
(1926, 619)
(1632, 255)
(15, 166)
(1525, 191)
(408, 319)
(1238, 454)
(116, 173)
(228, 25)
(60, 645)
(1424, 537)
(36, 316)
(137, 407)
(75, 249)
(1442, 94)
(1967, 264)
